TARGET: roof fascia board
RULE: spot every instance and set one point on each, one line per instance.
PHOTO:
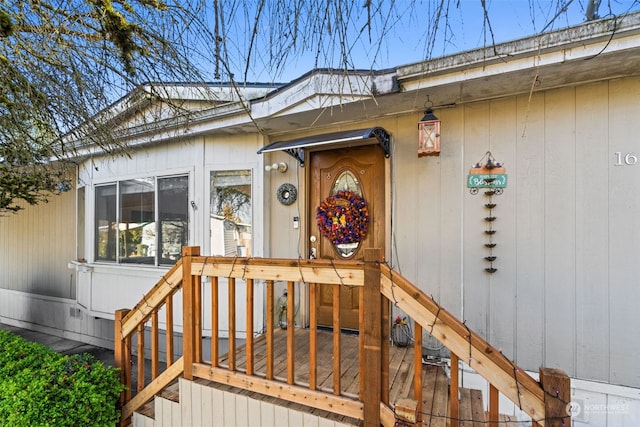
(319, 101)
(216, 93)
(584, 40)
(457, 75)
(333, 88)
(227, 115)
(144, 94)
(188, 122)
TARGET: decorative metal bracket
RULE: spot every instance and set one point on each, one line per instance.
(384, 140)
(296, 153)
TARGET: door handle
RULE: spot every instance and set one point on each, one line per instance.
(313, 253)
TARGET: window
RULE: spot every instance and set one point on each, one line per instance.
(142, 221)
(137, 222)
(80, 210)
(106, 223)
(173, 217)
(230, 213)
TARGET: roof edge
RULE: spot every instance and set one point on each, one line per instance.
(589, 32)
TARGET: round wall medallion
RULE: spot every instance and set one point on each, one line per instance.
(287, 194)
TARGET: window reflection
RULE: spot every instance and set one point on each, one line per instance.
(131, 228)
(347, 181)
(105, 223)
(137, 226)
(173, 215)
(230, 213)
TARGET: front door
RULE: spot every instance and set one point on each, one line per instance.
(352, 178)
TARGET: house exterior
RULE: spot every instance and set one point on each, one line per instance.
(244, 172)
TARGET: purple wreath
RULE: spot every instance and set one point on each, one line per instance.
(343, 217)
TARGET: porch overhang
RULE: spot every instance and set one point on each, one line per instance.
(346, 138)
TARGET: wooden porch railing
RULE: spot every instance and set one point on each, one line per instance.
(544, 402)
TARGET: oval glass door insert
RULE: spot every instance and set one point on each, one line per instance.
(347, 181)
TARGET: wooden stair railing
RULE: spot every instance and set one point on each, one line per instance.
(546, 406)
(130, 324)
(381, 288)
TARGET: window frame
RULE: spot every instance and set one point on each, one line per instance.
(251, 169)
(157, 257)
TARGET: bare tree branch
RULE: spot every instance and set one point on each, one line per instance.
(63, 63)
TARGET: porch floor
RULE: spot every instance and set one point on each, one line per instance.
(401, 371)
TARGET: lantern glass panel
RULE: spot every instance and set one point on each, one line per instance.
(429, 137)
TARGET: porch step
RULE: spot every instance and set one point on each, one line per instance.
(506, 420)
(435, 412)
(171, 394)
(472, 408)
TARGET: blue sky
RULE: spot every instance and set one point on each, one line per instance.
(407, 38)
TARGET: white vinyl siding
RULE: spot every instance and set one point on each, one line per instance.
(568, 233)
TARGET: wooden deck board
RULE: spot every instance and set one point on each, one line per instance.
(477, 408)
(428, 392)
(440, 407)
(465, 407)
(350, 366)
(434, 379)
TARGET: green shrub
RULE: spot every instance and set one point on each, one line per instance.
(39, 387)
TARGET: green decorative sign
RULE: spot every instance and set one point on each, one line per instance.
(487, 180)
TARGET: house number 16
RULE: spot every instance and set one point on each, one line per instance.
(625, 159)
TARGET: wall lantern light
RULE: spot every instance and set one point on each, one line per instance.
(277, 167)
(429, 135)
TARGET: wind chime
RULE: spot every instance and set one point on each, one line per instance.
(492, 179)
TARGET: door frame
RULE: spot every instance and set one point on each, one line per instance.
(309, 225)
